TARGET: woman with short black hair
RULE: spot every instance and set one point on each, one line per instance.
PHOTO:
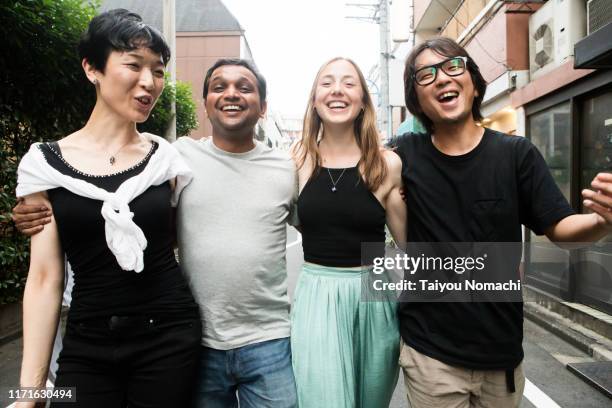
(133, 330)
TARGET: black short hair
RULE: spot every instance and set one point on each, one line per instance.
(119, 30)
(261, 81)
(448, 48)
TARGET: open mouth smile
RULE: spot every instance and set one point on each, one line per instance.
(337, 105)
(232, 108)
(448, 96)
(144, 101)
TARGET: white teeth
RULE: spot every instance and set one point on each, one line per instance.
(447, 95)
(337, 105)
(144, 99)
(231, 108)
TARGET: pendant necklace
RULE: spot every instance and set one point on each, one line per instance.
(334, 183)
(113, 157)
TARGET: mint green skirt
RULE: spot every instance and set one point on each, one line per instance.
(345, 350)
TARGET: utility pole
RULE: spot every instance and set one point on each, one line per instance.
(381, 17)
(383, 24)
(170, 34)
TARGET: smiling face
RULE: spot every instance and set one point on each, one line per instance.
(131, 83)
(448, 100)
(233, 103)
(338, 97)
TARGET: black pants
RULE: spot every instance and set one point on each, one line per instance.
(130, 362)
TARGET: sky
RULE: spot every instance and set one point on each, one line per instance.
(291, 39)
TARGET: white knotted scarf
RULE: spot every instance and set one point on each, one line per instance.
(124, 238)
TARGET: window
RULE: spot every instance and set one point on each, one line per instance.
(594, 275)
(550, 132)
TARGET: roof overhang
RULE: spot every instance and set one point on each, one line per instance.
(436, 14)
(595, 50)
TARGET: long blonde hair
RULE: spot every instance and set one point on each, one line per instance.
(372, 164)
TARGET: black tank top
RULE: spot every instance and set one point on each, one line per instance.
(101, 288)
(335, 223)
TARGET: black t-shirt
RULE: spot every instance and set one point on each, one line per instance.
(101, 288)
(482, 196)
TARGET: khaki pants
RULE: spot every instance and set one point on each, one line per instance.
(433, 384)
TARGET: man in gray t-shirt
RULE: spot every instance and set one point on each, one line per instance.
(232, 237)
(232, 233)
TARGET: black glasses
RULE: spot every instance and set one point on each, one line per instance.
(454, 66)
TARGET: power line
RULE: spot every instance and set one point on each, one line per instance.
(380, 15)
(488, 18)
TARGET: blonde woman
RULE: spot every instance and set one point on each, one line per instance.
(345, 350)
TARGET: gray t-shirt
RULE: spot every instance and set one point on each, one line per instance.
(232, 239)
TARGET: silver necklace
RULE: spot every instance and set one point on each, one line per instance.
(334, 183)
(113, 157)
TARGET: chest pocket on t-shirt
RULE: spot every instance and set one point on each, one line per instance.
(487, 216)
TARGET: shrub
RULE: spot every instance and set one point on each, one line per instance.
(43, 96)
(186, 118)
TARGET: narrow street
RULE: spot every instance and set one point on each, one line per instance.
(492, 119)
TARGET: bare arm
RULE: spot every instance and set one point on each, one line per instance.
(578, 228)
(588, 227)
(397, 213)
(302, 173)
(41, 300)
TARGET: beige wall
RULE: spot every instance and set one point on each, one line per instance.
(505, 36)
(419, 9)
(467, 12)
(195, 53)
(503, 120)
(488, 47)
(559, 77)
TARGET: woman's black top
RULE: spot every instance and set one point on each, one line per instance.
(101, 288)
(335, 223)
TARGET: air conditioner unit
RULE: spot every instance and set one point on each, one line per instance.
(553, 31)
(599, 14)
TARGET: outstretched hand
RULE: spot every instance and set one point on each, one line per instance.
(599, 200)
(30, 219)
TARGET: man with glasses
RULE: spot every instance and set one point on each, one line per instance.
(466, 183)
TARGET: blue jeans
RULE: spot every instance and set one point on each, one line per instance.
(258, 375)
